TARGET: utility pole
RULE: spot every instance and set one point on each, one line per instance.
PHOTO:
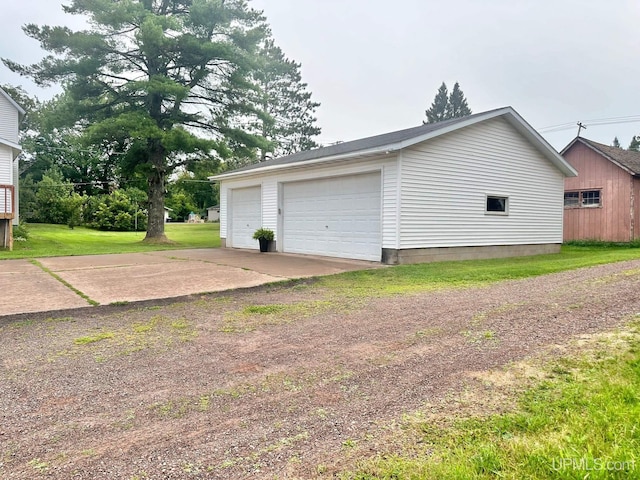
(580, 127)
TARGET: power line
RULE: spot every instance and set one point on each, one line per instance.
(592, 122)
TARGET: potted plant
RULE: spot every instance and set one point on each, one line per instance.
(264, 236)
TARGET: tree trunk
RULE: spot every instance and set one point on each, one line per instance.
(156, 182)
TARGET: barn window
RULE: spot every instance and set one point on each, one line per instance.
(582, 199)
(571, 199)
(497, 205)
(591, 198)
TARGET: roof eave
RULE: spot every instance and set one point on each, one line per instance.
(373, 152)
(15, 148)
(543, 146)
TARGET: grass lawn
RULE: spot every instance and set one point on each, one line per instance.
(431, 276)
(581, 421)
(59, 240)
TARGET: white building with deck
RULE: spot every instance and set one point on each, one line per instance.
(11, 114)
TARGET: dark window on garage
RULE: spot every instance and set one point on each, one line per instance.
(497, 205)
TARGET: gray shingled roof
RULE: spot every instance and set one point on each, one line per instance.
(360, 144)
(626, 158)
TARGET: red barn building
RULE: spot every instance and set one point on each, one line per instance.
(603, 201)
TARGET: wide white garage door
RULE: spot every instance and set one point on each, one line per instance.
(336, 217)
(246, 216)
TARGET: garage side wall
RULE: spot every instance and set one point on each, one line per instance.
(271, 188)
(445, 183)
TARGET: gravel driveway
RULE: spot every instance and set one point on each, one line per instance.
(269, 382)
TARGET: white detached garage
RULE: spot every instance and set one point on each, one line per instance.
(486, 185)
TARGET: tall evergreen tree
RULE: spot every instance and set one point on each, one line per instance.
(148, 76)
(458, 106)
(286, 109)
(635, 144)
(446, 106)
(279, 108)
(439, 109)
(616, 142)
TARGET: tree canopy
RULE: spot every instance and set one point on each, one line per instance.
(153, 80)
(446, 106)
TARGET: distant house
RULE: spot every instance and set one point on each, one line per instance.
(213, 214)
(167, 214)
(11, 114)
(603, 201)
(486, 185)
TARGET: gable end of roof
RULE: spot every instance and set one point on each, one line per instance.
(627, 160)
(398, 140)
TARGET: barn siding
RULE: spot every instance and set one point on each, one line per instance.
(612, 220)
(636, 208)
(270, 186)
(444, 184)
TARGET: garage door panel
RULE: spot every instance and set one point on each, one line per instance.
(335, 217)
(246, 214)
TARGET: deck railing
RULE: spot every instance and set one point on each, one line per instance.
(7, 201)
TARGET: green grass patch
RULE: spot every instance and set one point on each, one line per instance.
(158, 333)
(264, 309)
(404, 279)
(93, 338)
(59, 240)
(581, 421)
(252, 317)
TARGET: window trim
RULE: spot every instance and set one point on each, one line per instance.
(581, 203)
(494, 212)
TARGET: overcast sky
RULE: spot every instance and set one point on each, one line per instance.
(375, 65)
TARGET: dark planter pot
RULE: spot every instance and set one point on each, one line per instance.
(264, 244)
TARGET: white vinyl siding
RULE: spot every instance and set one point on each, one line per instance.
(390, 205)
(9, 120)
(445, 182)
(270, 205)
(16, 175)
(6, 165)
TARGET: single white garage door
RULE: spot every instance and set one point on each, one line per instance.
(246, 216)
(336, 217)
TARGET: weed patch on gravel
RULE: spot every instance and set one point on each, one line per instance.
(252, 317)
(159, 332)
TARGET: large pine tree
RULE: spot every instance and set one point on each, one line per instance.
(439, 109)
(285, 106)
(458, 106)
(278, 108)
(446, 106)
(149, 76)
